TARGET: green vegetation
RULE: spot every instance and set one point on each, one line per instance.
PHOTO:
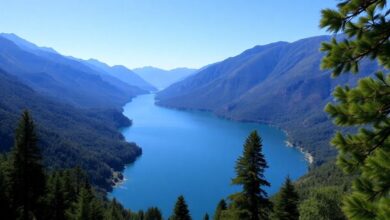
(366, 106)
(286, 205)
(28, 191)
(222, 206)
(68, 136)
(323, 203)
(252, 203)
(181, 211)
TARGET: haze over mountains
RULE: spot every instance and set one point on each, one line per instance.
(162, 78)
(120, 72)
(57, 76)
(279, 83)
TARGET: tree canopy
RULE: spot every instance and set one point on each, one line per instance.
(365, 27)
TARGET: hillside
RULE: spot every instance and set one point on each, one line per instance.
(280, 84)
(62, 78)
(68, 136)
(162, 78)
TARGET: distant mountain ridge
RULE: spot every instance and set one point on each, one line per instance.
(120, 72)
(64, 78)
(26, 44)
(279, 84)
(162, 78)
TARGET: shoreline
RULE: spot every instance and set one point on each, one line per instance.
(308, 156)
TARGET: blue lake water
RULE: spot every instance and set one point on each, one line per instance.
(193, 154)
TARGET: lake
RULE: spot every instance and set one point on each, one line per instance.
(193, 153)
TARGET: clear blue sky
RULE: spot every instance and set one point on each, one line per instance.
(161, 33)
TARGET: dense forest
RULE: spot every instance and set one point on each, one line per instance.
(69, 136)
(29, 191)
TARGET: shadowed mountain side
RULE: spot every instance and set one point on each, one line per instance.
(68, 136)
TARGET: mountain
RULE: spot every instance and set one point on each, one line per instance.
(31, 47)
(162, 78)
(120, 72)
(68, 136)
(63, 78)
(279, 84)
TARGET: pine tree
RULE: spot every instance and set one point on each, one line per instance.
(366, 26)
(5, 209)
(56, 206)
(181, 211)
(27, 179)
(153, 214)
(250, 174)
(206, 217)
(89, 207)
(114, 212)
(222, 206)
(286, 207)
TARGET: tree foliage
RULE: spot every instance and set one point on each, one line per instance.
(28, 191)
(323, 203)
(250, 169)
(181, 211)
(26, 174)
(222, 206)
(286, 206)
(366, 28)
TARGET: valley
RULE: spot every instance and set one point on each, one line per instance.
(190, 152)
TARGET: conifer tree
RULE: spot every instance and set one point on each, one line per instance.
(140, 215)
(5, 209)
(153, 213)
(56, 207)
(26, 176)
(88, 207)
(114, 212)
(181, 211)
(220, 207)
(286, 207)
(250, 169)
(366, 28)
(82, 207)
(206, 217)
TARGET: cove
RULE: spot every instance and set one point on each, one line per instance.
(193, 153)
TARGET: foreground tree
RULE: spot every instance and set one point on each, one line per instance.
(222, 206)
(252, 202)
(181, 211)
(26, 175)
(366, 26)
(286, 206)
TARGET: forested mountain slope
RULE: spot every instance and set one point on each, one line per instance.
(280, 84)
(68, 136)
